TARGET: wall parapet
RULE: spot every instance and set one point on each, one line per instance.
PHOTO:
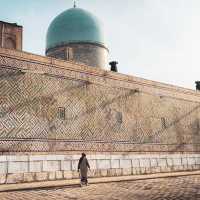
(32, 63)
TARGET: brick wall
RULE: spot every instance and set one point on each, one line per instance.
(102, 111)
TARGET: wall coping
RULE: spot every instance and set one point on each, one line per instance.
(121, 80)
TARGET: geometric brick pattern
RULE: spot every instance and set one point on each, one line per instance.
(97, 117)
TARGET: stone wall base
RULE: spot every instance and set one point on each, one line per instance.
(33, 168)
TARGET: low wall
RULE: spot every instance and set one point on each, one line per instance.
(30, 168)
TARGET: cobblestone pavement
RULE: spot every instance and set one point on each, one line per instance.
(181, 188)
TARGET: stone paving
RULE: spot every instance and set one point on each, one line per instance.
(179, 188)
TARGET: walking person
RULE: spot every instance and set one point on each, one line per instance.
(83, 167)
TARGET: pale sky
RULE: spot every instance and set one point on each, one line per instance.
(154, 39)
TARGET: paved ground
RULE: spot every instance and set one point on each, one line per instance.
(180, 188)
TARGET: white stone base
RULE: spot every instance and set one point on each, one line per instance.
(30, 168)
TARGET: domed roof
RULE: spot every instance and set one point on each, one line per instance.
(74, 25)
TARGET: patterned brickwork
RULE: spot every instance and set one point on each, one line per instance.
(98, 116)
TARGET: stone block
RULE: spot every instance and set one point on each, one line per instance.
(126, 171)
(181, 167)
(177, 161)
(163, 168)
(112, 172)
(184, 161)
(97, 173)
(163, 156)
(125, 163)
(59, 174)
(75, 165)
(195, 167)
(145, 163)
(102, 157)
(116, 157)
(176, 168)
(14, 178)
(35, 166)
(37, 157)
(91, 173)
(91, 157)
(29, 177)
(162, 162)
(185, 167)
(41, 176)
(142, 170)
(51, 176)
(69, 157)
(3, 158)
(148, 170)
(153, 162)
(75, 174)
(2, 178)
(66, 165)
(129, 156)
(93, 164)
(174, 156)
(197, 161)
(139, 156)
(198, 166)
(135, 163)
(134, 171)
(103, 172)
(189, 167)
(169, 169)
(155, 170)
(17, 158)
(3, 167)
(75, 157)
(118, 172)
(103, 164)
(55, 157)
(170, 162)
(115, 164)
(191, 161)
(126, 156)
(138, 171)
(17, 167)
(67, 174)
(49, 166)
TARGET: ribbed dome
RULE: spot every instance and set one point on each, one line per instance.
(74, 25)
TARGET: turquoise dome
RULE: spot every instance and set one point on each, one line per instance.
(74, 25)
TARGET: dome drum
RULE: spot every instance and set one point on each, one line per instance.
(84, 53)
(76, 35)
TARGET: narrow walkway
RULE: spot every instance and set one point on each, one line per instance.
(75, 182)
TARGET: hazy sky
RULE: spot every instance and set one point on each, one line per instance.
(153, 39)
